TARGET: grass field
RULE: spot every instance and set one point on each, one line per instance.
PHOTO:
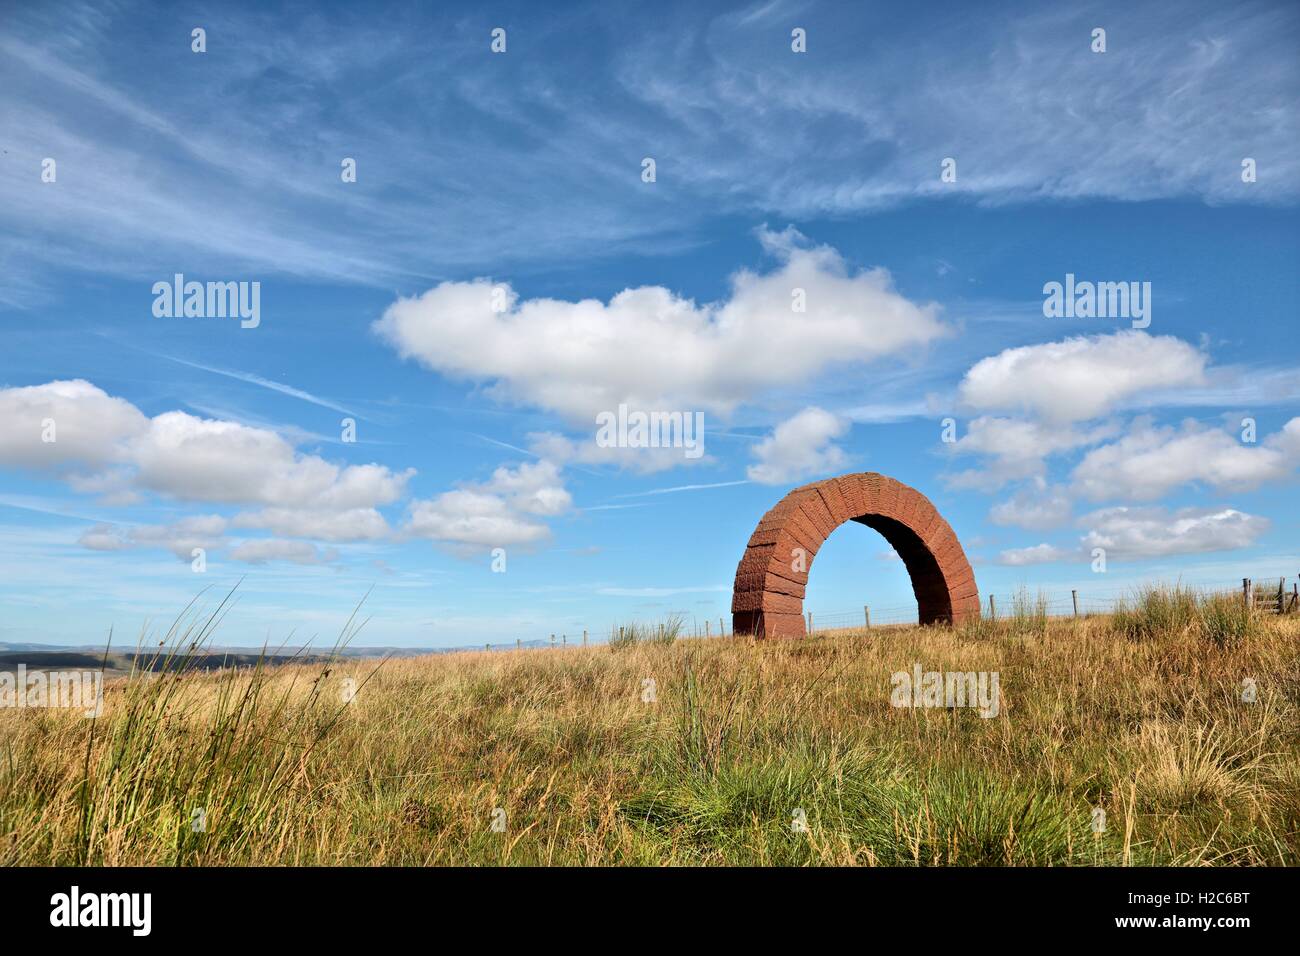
(1140, 714)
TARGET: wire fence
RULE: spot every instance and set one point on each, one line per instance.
(1273, 595)
(689, 626)
(1268, 594)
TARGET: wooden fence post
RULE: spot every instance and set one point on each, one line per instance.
(584, 637)
(866, 615)
(1074, 596)
(993, 611)
(810, 626)
(1245, 591)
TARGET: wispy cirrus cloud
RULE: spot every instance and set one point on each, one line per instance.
(728, 110)
(269, 384)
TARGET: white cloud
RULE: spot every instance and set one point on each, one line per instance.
(188, 458)
(1155, 532)
(1150, 532)
(104, 537)
(104, 445)
(1083, 377)
(652, 349)
(206, 532)
(1017, 448)
(1038, 554)
(501, 512)
(534, 488)
(179, 537)
(262, 550)
(800, 447)
(1151, 460)
(473, 518)
(1041, 508)
(199, 459)
(91, 428)
(350, 524)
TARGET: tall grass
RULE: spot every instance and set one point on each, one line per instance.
(749, 753)
(1161, 610)
(663, 632)
(1029, 612)
(1225, 619)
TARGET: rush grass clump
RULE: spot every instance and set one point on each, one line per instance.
(630, 635)
(1221, 618)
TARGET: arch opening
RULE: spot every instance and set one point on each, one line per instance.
(933, 603)
(772, 576)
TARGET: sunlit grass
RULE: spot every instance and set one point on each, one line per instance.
(775, 752)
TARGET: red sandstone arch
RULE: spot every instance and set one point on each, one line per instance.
(769, 591)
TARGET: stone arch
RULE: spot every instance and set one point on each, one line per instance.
(770, 581)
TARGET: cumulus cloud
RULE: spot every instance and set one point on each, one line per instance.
(198, 459)
(90, 428)
(533, 488)
(104, 445)
(1017, 448)
(1150, 532)
(262, 550)
(473, 519)
(1151, 460)
(654, 350)
(501, 512)
(202, 531)
(104, 537)
(179, 537)
(1039, 508)
(1155, 532)
(800, 447)
(1082, 377)
(351, 524)
(1038, 554)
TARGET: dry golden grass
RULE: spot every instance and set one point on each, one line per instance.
(1147, 723)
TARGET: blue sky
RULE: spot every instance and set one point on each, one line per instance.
(522, 171)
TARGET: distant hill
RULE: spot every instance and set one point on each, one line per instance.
(121, 658)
